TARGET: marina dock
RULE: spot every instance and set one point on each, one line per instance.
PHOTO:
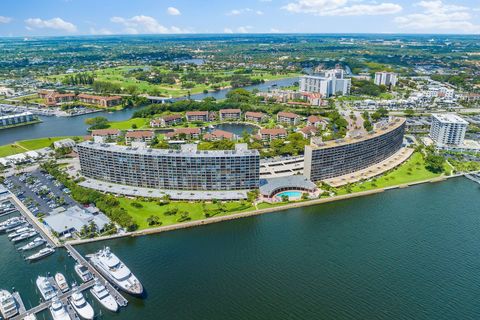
(122, 302)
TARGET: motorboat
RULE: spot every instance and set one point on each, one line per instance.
(24, 236)
(100, 292)
(30, 317)
(58, 310)
(40, 254)
(11, 223)
(8, 305)
(81, 306)
(108, 264)
(20, 231)
(61, 282)
(45, 287)
(37, 242)
(83, 272)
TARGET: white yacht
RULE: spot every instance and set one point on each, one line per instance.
(100, 292)
(45, 287)
(114, 270)
(30, 317)
(24, 236)
(8, 305)
(20, 232)
(37, 242)
(40, 254)
(83, 272)
(11, 223)
(81, 306)
(61, 282)
(58, 310)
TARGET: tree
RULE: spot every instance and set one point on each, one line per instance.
(153, 221)
(97, 123)
(435, 163)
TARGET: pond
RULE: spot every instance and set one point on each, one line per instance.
(235, 128)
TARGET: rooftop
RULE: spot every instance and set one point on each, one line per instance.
(449, 118)
(389, 126)
(268, 187)
(75, 218)
(187, 152)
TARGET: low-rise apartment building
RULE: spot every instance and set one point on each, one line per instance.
(185, 133)
(166, 121)
(218, 135)
(14, 119)
(288, 118)
(197, 116)
(101, 101)
(230, 114)
(266, 134)
(53, 98)
(256, 117)
(145, 136)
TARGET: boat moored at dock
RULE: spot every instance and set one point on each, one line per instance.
(35, 243)
(40, 254)
(61, 282)
(45, 287)
(80, 305)
(24, 236)
(83, 272)
(11, 223)
(58, 310)
(100, 292)
(8, 305)
(20, 232)
(110, 266)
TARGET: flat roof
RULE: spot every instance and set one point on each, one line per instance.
(390, 126)
(449, 118)
(187, 152)
(15, 115)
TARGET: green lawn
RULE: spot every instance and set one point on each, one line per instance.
(412, 170)
(9, 150)
(195, 210)
(127, 124)
(119, 75)
(27, 145)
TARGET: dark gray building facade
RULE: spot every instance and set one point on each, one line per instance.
(336, 158)
(185, 169)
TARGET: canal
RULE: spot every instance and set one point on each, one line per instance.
(403, 254)
(75, 126)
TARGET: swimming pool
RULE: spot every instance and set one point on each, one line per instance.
(289, 194)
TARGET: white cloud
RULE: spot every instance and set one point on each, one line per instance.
(341, 7)
(274, 30)
(438, 16)
(227, 30)
(173, 11)
(237, 12)
(55, 23)
(144, 24)
(4, 19)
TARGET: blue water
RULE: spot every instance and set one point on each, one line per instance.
(290, 194)
(402, 254)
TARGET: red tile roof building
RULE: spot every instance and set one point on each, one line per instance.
(166, 121)
(190, 133)
(255, 116)
(139, 136)
(197, 116)
(52, 98)
(219, 135)
(272, 134)
(101, 101)
(230, 114)
(289, 118)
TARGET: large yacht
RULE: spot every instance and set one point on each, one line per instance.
(61, 282)
(58, 310)
(20, 232)
(37, 242)
(100, 292)
(45, 287)
(83, 272)
(11, 223)
(114, 270)
(81, 306)
(8, 305)
(40, 254)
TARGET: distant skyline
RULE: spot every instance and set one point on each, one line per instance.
(108, 17)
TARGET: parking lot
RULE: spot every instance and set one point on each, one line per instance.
(40, 192)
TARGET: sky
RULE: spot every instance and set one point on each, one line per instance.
(107, 17)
